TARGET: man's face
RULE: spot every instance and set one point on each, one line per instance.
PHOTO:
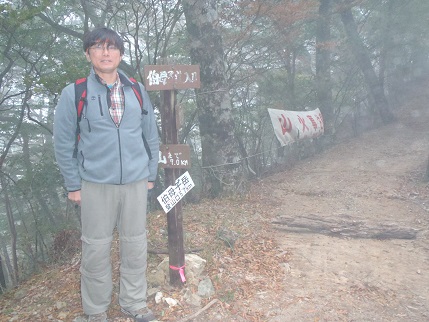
(105, 58)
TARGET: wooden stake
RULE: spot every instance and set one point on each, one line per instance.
(174, 216)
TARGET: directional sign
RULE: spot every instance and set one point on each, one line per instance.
(171, 77)
(173, 194)
(175, 156)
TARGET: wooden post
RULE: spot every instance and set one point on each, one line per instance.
(168, 79)
(174, 216)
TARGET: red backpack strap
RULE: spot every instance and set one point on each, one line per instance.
(137, 91)
(80, 93)
(80, 96)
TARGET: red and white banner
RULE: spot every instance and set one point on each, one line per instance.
(291, 126)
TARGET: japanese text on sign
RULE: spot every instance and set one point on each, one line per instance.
(176, 156)
(173, 194)
(169, 77)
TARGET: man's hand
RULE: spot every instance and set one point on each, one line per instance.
(150, 186)
(74, 196)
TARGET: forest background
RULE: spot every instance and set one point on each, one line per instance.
(351, 59)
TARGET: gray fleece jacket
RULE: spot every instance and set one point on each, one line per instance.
(106, 153)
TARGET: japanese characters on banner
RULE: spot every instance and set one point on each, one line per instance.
(173, 194)
(291, 126)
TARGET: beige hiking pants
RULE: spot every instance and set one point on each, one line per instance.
(104, 207)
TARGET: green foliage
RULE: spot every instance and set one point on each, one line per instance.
(15, 14)
(275, 91)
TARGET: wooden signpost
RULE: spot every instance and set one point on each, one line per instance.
(173, 157)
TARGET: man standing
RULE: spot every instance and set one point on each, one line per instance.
(108, 171)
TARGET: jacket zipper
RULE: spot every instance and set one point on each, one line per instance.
(120, 156)
(89, 125)
(83, 161)
(100, 105)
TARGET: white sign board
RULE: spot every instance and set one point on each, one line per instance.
(173, 194)
(291, 126)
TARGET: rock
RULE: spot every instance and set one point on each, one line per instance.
(20, 294)
(157, 277)
(206, 288)
(62, 315)
(158, 297)
(286, 267)
(194, 267)
(152, 291)
(60, 305)
(195, 263)
(171, 302)
(192, 299)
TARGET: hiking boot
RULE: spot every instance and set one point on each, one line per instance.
(142, 315)
(100, 317)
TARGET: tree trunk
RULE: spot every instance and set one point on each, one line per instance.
(291, 75)
(7, 268)
(2, 277)
(220, 153)
(386, 40)
(12, 228)
(323, 64)
(346, 226)
(375, 87)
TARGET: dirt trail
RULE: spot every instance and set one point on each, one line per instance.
(377, 178)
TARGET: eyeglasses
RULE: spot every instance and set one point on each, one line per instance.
(100, 47)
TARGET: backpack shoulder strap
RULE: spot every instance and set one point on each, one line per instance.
(80, 87)
(137, 90)
(80, 93)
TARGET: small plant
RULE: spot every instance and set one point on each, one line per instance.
(65, 245)
(227, 296)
